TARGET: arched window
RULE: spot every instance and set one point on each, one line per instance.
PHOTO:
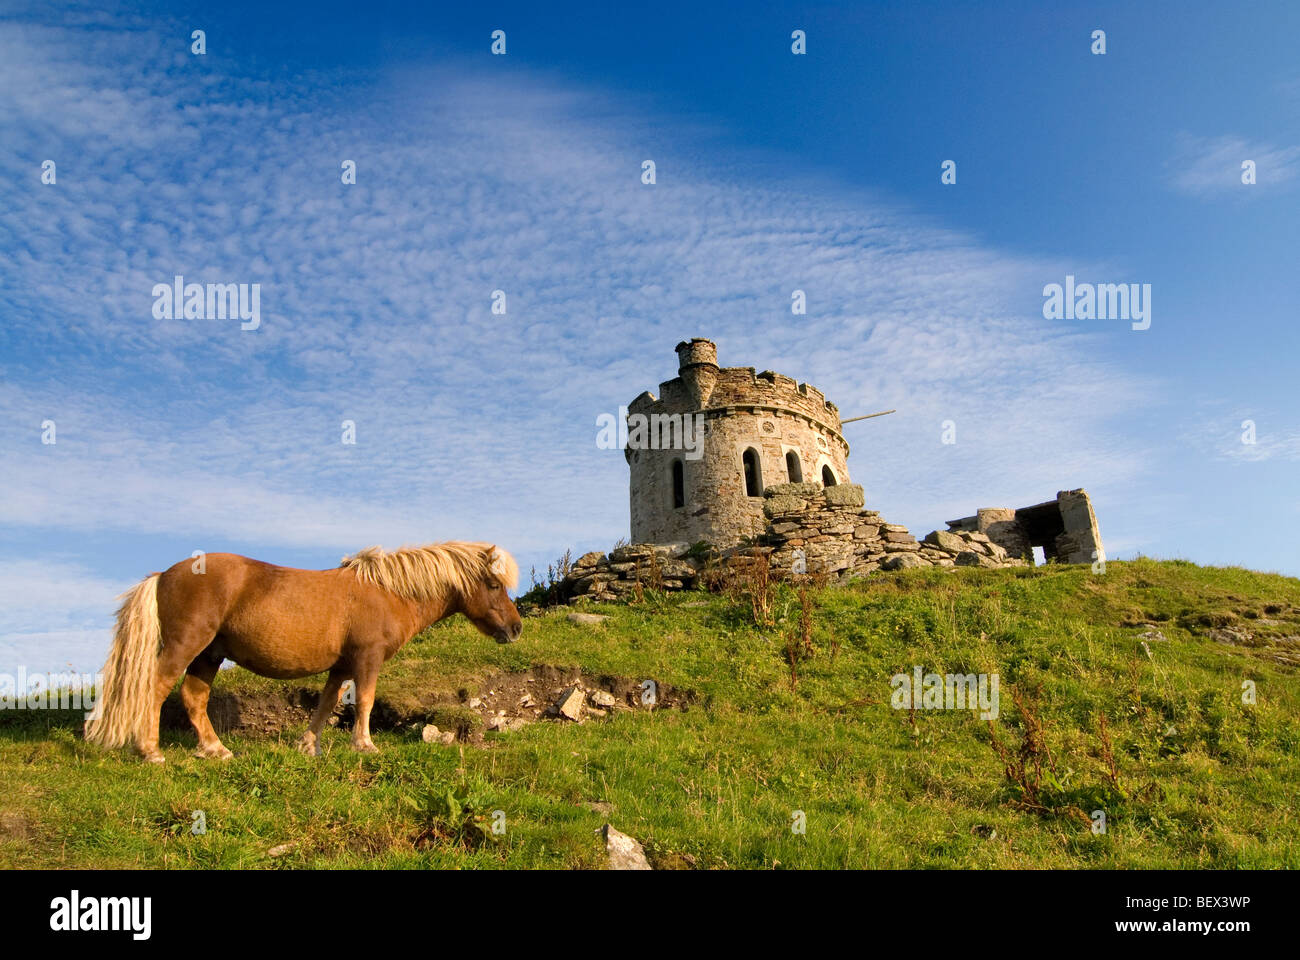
(828, 476)
(753, 475)
(679, 485)
(792, 467)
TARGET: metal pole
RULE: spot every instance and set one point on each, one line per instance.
(866, 417)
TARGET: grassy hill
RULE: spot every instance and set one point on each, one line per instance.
(1120, 692)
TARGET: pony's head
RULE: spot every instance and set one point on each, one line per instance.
(468, 578)
(485, 601)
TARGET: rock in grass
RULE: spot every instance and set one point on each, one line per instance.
(624, 852)
(431, 734)
(569, 703)
(587, 619)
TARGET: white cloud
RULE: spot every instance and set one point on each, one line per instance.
(1234, 433)
(29, 588)
(1267, 446)
(56, 613)
(1208, 164)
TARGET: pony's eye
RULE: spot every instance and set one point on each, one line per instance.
(492, 585)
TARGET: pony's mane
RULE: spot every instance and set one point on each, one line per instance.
(434, 570)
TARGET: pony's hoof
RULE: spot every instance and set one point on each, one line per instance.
(309, 746)
(219, 752)
(366, 747)
(154, 758)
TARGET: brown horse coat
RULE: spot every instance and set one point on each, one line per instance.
(286, 623)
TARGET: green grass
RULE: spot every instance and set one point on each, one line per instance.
(1203, 779)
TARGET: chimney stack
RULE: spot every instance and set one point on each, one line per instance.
(697, 365)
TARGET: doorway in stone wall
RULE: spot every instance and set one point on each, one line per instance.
(1042, 524)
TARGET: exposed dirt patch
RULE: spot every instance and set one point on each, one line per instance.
(268, 712)
(15, 825)
(501, 701)
(532, 692)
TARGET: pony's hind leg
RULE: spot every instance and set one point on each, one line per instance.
(329, 699)
(180, 647)
(194, 694)
(167, 672)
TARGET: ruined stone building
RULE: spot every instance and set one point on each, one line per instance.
(1065, 528)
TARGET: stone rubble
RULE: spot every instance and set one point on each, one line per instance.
(810, 529)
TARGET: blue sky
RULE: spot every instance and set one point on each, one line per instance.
(521, 172)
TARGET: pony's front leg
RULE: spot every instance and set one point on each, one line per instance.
(366, 674)
(329, 699)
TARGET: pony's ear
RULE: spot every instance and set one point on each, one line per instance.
(497, 562)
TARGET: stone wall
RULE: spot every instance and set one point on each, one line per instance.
(664, 566)
(808, 529)
(825, 531)
(1081, 541)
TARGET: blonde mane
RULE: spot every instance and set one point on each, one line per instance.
(432, 571)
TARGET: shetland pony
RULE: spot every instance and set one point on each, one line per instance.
(286, 623)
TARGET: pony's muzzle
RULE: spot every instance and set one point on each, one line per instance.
(510, 634)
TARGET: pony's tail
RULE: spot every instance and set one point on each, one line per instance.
(126, 694)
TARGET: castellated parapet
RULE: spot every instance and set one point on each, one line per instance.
(759, 429)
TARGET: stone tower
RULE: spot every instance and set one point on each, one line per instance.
(758, 430)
